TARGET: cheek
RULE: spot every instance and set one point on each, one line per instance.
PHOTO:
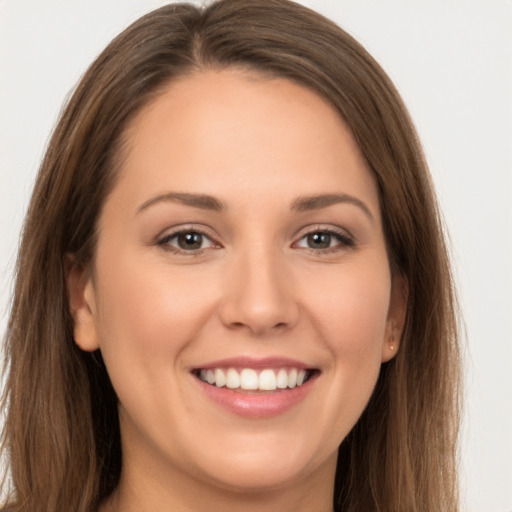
(147, 318)
(352, 309)
(145, 311)
(351, 318)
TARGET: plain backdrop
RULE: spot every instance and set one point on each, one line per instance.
(452, 62)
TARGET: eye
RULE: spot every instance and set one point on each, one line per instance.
(188, 241)
(324, 239)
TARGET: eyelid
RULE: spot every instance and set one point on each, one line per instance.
(347, 239)
(163, 238)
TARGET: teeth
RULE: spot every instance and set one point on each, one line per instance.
(232, 379)
(292, 378)
(267, 380)
(282, 379)
(220, 378)
(249, 379)
(210, 377)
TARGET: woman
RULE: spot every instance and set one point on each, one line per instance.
(232, 287)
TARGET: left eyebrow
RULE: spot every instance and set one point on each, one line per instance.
(316, 202)
(201, 201)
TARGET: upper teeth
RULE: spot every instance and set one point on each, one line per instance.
(250, 379)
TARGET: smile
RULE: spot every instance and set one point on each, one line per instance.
(251, 379)
(256, 388)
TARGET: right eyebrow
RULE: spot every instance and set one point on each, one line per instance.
(202, 201)
(320, 201)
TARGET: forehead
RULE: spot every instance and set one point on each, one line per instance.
(216, 132)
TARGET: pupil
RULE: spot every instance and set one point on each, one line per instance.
(319, 240)
(190, 241)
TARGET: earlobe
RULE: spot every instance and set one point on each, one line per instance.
(396, 317)
(390, 348)
(82, 305)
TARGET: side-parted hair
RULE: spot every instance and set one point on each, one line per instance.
(61, 436)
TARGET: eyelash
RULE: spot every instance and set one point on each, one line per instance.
(164, 242)
(344, 240)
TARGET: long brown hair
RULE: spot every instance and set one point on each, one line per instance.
(61, 435)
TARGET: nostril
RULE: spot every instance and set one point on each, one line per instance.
(236, 325)
(258, 328)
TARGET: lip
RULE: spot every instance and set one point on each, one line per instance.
(256, 363)
(256, 405)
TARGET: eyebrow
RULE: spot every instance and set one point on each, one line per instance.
(202, 201)
(301, 204)
(316, 202)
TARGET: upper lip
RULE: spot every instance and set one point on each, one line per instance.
(257, 363)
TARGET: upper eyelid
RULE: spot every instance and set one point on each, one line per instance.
(345, 238)
(209, 233)
(164, 240)
(187, 228)
(325, 228)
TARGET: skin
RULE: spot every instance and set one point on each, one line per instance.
(256, 288)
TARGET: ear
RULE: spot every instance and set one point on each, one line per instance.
(396, 316)
(82, 304)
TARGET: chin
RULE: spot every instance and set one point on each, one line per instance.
(257, 478)
(263, 471)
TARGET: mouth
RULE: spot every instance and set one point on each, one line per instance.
(255, 380)
(256, 388)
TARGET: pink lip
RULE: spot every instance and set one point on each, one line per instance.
(260, 404)
(252, 362)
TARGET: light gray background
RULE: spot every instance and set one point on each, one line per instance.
(451, 60)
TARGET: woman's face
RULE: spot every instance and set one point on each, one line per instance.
(240, 253)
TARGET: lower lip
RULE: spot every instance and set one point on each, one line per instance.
(257, 405)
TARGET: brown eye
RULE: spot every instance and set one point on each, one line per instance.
(186, 241)
(189, 241)
(323, 240)
(319, 240)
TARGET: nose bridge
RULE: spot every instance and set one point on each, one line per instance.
(258, 295)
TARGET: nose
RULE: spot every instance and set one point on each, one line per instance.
(259, 294)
